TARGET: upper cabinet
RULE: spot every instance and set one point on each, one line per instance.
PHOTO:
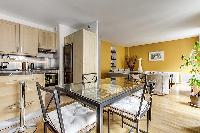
(51, 41)
(47, 40)
(24, 40)
(9, 37)
(42, 39)
(28, 40)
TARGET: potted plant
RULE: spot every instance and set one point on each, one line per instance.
(131, 62)
(192, 62)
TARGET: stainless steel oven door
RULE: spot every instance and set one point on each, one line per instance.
(51, 79)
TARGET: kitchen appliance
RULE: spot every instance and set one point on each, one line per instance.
(24, 66)
(51, 79)
(68, 63)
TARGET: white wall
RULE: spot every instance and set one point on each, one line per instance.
(62, 31)
(26, 22)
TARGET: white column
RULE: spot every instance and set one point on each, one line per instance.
(62, 31)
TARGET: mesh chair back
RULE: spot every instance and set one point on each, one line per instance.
(147, 93)
(138, 78)
(89, 78)
(46, 109)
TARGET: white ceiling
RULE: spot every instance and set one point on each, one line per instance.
(129, 22)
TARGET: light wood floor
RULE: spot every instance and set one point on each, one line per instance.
(170, 114)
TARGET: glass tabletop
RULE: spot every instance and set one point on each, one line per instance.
(103, 89)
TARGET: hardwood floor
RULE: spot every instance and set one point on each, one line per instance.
(170, 114)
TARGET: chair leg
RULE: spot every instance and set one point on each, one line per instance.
(137, 127)
(108, 121)
(149, 111)
(122, 122)
(148, 121)
(45, 128)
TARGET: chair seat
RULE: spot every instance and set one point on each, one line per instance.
(138, 93)
(129, 106)
(75, 118)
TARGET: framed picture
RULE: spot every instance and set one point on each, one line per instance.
(156, 56)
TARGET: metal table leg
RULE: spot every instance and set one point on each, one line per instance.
(99, 119)
(23, 128)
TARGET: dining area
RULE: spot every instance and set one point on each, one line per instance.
(94, 99)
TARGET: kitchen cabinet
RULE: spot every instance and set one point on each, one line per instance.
(84, 53)
(9, 94)
(51, 41)
(47, 40)
(9, 37)
(25, 40)
(28, 40)
(42, 39)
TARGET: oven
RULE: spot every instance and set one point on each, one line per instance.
(51, 79)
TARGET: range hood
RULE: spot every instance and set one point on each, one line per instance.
(46, 50)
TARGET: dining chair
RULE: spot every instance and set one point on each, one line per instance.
(89, 78)
(133, 109)
(137, 78)
(72, 118)
(144, 79)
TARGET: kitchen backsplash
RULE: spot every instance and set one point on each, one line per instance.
(42, 61)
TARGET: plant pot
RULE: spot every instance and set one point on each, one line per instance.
(195, 97)
(195, 101)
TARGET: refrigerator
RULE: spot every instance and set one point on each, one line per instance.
(68, 63)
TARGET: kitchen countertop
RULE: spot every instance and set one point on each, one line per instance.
(26, 72)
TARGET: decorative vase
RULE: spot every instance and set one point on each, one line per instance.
(140, 65)
(195, 101)
(194, 96)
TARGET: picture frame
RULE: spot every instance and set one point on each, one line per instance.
(156, 56)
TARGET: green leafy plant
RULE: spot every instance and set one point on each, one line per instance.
(193, 63)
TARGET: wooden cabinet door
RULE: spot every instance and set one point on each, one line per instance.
(9, 37)
(89, 52)
(47, 40)
(28, 40)
(51, 40)
(42, 39)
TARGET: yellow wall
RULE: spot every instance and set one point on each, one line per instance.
(172, 54)
(106, 57)
(120, 56)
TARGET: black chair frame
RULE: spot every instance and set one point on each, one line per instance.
(56, 96)
(149, 88)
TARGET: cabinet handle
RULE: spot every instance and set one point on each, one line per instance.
(13, 106)
(28, 104)
(16, 105)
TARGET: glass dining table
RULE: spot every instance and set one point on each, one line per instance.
(100, 94)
